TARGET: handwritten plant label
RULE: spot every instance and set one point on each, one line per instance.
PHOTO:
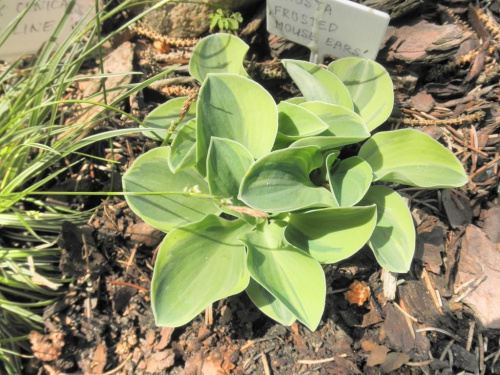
(37, 25)
(338, 28)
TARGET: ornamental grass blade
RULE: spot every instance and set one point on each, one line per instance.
(318, 84)
(333, 234)
(269, 304)
(162, 117)
(279, 182)
(289, 274)
(150, 173)
(412, 158)
(350, 180)
(218, 53)
(370, 87)
(198, 264)
(236, 108)
(393, 239)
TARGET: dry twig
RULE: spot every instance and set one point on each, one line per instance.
(484, 167)
(315, 361)
(467, 119)
(265, 364)
(149, 33)
(432, 291)
(472, 325)
(471, 288)
(481, 351)
(179, 90)
(404, 312)
(440, 330)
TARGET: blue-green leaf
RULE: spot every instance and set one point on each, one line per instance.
(150, 173)
(344, 127)
(325, 142)
(162, 117)
(412, 158)
(333, 234)
(292, 276)
(297, 100)
(218, 53)
(341, 121)
(183, 152)
(350, 180)
(236, 108)
(296, 122)
(279, 182)
(198, 264)
(269, 304)
(370, 87)
(318, 84)
(227, 163)
(393, 239)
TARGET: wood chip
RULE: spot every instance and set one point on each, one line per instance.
(480, 257)
(166, 337)
(426, 42)
(393, 362)
(377, 356)
(423, 101)
(399, 336)
(99, 361)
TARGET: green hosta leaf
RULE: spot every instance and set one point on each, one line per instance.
(227, 163)
(269, 304)
(289, 274)
(341, 121)
(296, 122)
(370, 87)
(412, 158)
(326, 142)
(198, 264)
(279, 182)
(183, 152)
(344, 126)
(393, 240)
(150, 173)
(319, 176)
(318, 84)
(350, 181)
(167, 113)
(218, 53)
(333, 234)
(236, 108)
(297, 100)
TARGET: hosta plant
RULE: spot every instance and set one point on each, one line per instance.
(256, 196)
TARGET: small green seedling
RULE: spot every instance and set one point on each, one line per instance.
(225, 20)
(257, 196)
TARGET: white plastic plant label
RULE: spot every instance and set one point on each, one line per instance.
(338, 28)
(37, 25)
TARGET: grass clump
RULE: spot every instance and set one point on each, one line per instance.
(34, 143)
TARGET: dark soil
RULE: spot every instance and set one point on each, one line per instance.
(104, 324)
